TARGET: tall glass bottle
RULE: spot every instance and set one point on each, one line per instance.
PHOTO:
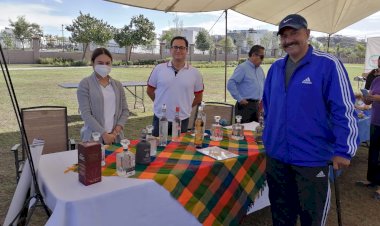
(176, 126)
(237, 129)
(216, 130)
(96, 138)
(259, 130)
(163, 127)
(203, 116)
(152, 140)
(198, 129)
(143, 150)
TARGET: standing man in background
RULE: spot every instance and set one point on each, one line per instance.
(246, 85)
(176, 84)
(310, 120)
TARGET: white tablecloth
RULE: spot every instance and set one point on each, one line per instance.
(113, 200)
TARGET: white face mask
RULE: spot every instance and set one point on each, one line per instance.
(102, 70)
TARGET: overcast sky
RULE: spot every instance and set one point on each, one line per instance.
(51, 14)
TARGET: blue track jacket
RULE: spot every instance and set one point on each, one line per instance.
(314, 119)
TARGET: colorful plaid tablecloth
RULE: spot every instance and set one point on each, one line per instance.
(215, 192)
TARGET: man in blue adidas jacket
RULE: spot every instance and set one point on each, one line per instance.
(309, 121)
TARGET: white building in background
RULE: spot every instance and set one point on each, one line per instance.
(247, 38)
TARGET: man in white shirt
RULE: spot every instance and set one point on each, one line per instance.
(176, 84)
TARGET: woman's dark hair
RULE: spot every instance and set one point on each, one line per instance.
(100, 51)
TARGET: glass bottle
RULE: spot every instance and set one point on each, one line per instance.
(203, 116)
(216, 130)
(152, 140)
(176, 126)
(96, 138)
(259, 130)
(237, 129)
(143, 150)
(198, 129)
(125, 161)
(163, 127)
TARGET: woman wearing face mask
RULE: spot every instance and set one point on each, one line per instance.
(102, 101)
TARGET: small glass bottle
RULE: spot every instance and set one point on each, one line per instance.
(163, 128)
(125, 161)
(216, 130)
(143, 150)
(259, 130)
(237, 129)
(96, 138)
(198, 129)
(176, 126)
(152, 140)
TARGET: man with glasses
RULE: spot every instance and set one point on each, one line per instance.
(309, 121)
(246, 85)
(176, 84)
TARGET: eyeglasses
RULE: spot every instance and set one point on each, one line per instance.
(261, 56)
(179, 48)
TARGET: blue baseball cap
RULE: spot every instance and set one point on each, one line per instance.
(294, 21)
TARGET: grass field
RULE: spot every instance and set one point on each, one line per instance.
(35, 85)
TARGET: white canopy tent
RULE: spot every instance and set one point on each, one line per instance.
(327, 16)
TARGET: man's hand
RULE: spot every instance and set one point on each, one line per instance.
(243, 102)
(340, 162)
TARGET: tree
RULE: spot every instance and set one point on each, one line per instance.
(7, 40)
(167, 36)
(230, 44)
(23, 30)
(203, 40)
(140, 31)
(86, 29)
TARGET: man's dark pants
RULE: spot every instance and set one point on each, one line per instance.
(298, 191)
(156, 125)
(248, 112)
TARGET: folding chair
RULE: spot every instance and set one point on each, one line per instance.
(224, 110)
(48, 123)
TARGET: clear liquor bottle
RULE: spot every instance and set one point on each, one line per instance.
(237, 129)
(96, 138)
(143, 150)
(176, 126)
(259, 130)
(125, 161)
(216, 130)
(163, 128)
(198, 129)
(152, 140)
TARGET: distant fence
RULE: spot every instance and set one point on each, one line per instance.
(153, 52)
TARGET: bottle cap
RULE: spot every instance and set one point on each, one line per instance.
(176, 109)
(95, 136)
(125, 143)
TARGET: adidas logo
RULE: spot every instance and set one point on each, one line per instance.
(307, 81)
(321, 174)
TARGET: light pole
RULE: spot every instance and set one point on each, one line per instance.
(63, 41)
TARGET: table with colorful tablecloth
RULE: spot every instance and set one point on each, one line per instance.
(214, 192)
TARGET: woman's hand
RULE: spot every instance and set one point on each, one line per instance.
(373, 97)
(117, 130)
(108, 138)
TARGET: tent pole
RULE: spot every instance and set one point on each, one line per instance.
(225, 62)
(328, 43)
